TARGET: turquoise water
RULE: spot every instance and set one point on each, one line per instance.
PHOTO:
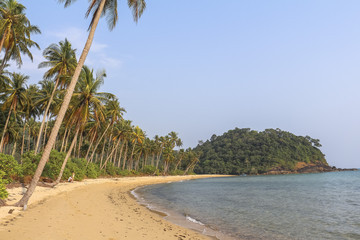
(301, 206)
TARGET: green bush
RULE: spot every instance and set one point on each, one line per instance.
(3, 192)
(134, 172)
(29, 163)
(9, 167)
(92, 170)
(123, 173)
(177, 172)
(53, 166)
(150, 170)
(77, 166)
(110, 169)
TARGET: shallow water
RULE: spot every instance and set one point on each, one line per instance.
(301, 206)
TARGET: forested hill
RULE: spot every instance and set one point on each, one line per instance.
(245, 151)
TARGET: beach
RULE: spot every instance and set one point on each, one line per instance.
(91, 209)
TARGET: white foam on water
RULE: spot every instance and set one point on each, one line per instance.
(190, 219)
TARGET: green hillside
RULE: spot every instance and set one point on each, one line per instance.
(245, 151)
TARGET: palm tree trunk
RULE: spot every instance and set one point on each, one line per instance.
(177, 164)
(152, 159)
(3, 40)
(137, 162)
(158, 159)
(44, 158)
(115, 155)
(45, 131)
(131, 157)
(23, 139)
(46, 114)
(5, 128)
(125, 155)
(63, 141)
(67, 157)
(145, 159)
(91, 143)
(80, 143)
(29, 140)
(110, 155)
(97, 144)
(74, 149)
(122, 145)
(14, 149)
(66, 140)
(102, 152)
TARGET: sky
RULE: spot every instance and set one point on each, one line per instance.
(204, 67)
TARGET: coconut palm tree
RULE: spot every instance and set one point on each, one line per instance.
(19, 44)
(97, 8)
(11, 15)
(16, 98)
(61, 59)
(114, 113)
(137, 137)
(179, 157)
(86, 101)
(29, 111)
(15, 32)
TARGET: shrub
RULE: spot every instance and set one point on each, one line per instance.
(77, 166)
(177, 172)
(110, 169)
(3, 192)
(53, 166)
(92, 170)
(123, 173)
(9, 167)
(29, 163)
(150, 170)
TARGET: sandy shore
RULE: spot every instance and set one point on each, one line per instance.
(92, 209)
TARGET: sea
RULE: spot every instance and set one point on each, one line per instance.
(298, 206)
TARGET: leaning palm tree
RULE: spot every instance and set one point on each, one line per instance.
(97, 8)
(86, 101)
(61, 60)
(114, 113)
(16, 98)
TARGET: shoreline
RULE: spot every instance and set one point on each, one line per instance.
(178, 218)
(92, 209)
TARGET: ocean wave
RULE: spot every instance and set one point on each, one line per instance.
(190, 219)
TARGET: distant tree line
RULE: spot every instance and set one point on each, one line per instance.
(246, 151)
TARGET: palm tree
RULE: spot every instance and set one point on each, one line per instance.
(20, 42)
(86, 101)
(61, 59)
(15, 30)
(12, 14)
(179, 157)
(114, 113)
(97, 8)
(137, 137)
(29, 111)
(16, 98)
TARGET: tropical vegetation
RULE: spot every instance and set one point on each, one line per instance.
(246, 151)
(65, 124)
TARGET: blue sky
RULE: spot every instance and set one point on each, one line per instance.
(204, 67)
